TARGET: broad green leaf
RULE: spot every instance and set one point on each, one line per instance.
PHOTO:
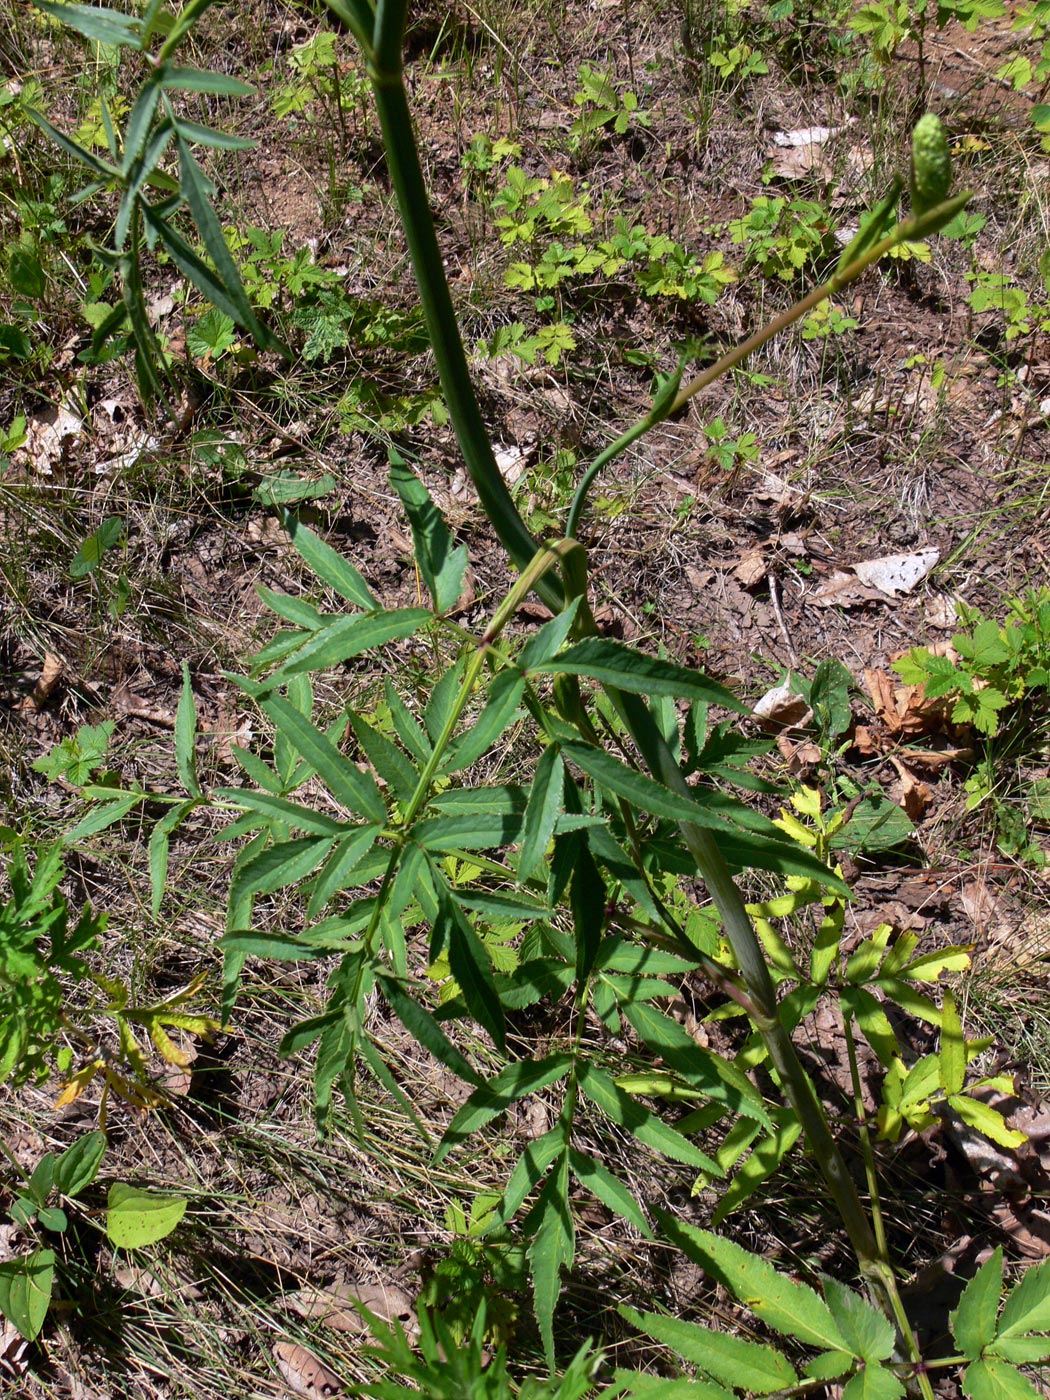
(870, 1334)
(441, 562)
(992, 1124)
(420, 1024)
(973, 1321)
(1027, 1308)
(285, 863)
(391, 764)
(640, 1122)
(544, 806)
(873, 1383)
(329, 566)
(996, 1380)
(78, 1166)
(501, 708)
(97, 23)
(347, 637)
(723, 1356)
(612, 663)
(793, 1309)
(135, 1218)
(200, 80)
(25, 1291)
(295, 610)
(494, 1097)
(344, 780)
(952, 1060)
(471, 966)
(186, 736)
(608, 1189)
(553, 1248)
(159, 840)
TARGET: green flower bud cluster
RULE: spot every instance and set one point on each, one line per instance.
(931, 164)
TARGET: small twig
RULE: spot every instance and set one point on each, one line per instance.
(774, 598)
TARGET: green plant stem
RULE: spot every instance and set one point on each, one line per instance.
(904, 232)
(386, 74)
(904, 1327)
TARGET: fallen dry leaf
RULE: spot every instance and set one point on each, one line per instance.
(334, 1306)
(304, 1373)
(802, 757)
(751, 567)
(844, 590)
(915, 795)
(50, 675)
(47, 439)
(897, 573)
(903, 709)
(782, 707)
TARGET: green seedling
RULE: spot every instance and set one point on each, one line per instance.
(40, 1207)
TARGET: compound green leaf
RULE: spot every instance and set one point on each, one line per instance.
(25, 1291)
(159, 840)
(496, 1095)
(764, 1160)
(973, 1321)
(1027, 1309)
(201, 80)
(441, 562)
(101, 25)
(186, 736)
(471, 966)
(340, 870)
(529, 1171)
(553, 1248)
(793, 1309)
(869, 1333)
(104, 815)
(217, 140)
(392, 765)
(991, 1379)
(992, 1124)
(285, 863)
(501, 708)
(545, 804)
(721, 1355)
(641, 1123)
(420, 1024)
(347, 637)
(612, 663)
(1022, 1351)
(608, 1189)
(279, 809)
(873, 1383)
(329, 566)
(344, 780)
(642, 1385)
(952, 1060)
(135, 1218)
